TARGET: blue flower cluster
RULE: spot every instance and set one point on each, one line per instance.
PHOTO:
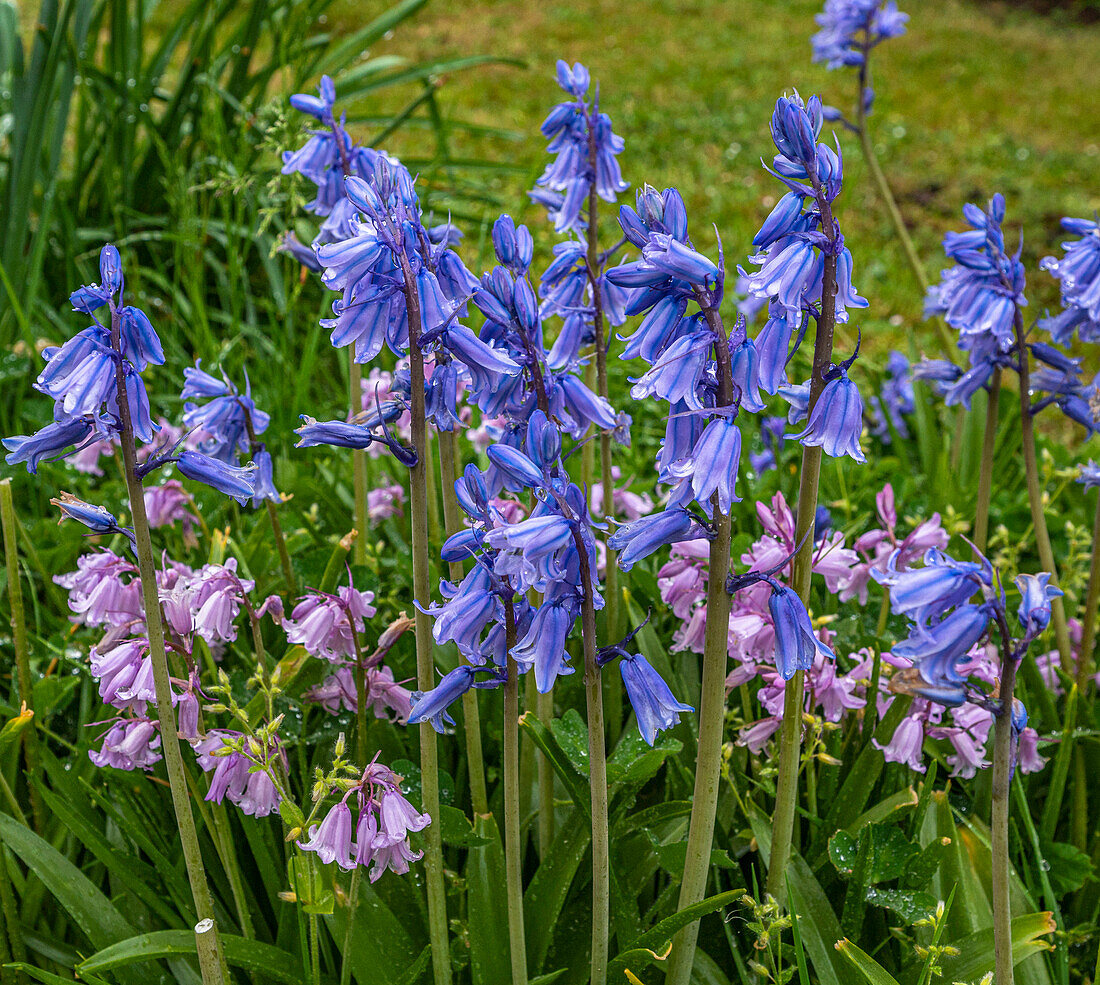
(1078, 272)
(982, 297)
(851, 28)
(586, 152)
(894, 400)
(86, 376)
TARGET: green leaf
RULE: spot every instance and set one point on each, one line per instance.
(672, 858)
(634, 761)
(381, 946)
(456, 830)
(547, 891)
(655, 943)
(921, 868)
(1069, 867)
(50, 693)
(910, 904)
(255, 956)
(572, 734)
(488, 911)
(89, 908)
(46, 978)
(873, 973)
(547, 741)
(975, 956)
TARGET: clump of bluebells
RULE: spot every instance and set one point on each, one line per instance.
(982, 297)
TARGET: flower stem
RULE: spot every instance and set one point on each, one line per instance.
(544, 709)
(712, 704)
(314, 950)
(597, 776)
(513, 843)
(358, 464)
(1085, 660)
(19, 642)
(985, 476)
(471, 716)
(353, 905)
(425, 665)
(170, 746)
(360, 698)
(790, 738)
(1002, 778)
(1035, 497)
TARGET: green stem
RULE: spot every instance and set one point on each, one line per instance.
(597, 763)
(360, 698)
(1088, 620)
(170, 746)
(513, 844)
(353, 904)
(358, 463)
(712, 703)
(11, 915)
(228, 856)
(544, 708)
(1002, 776)
(314, 950)
(10, 525)
(985, 476)
(708, 765)
(471, 716)
(790, 738)
(1035, 499)
(425, 665)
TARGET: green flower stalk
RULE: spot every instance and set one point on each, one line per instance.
(214, 971)
(10, 525)
(425, 665)
(513, 842)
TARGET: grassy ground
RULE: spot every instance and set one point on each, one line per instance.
(974, 99)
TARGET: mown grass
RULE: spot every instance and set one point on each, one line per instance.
(974, 99)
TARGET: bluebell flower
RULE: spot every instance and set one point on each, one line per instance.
(980, 295)
(716, 458)
(264, 487)
(796, 644)
(518, 470)
(431, 706)
(93, 296)
(98, 519)
(339, 433)
(240, 483)
(894, 400)
(745, 369)
(48, 442)
(937, 651)
(564, 185)
(1036, 593)
(925, 593)
(851, 28)
(654, 705)
(1078, 273)
(773, 344)
(675, 376)
(1090, 475)
(836, 420)
(542, 649)
(641, 537)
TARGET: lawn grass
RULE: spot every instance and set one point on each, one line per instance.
(975, 98)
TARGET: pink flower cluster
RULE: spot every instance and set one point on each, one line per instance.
(379, 837)
(832, 690)
(240, 778)
(324, 624)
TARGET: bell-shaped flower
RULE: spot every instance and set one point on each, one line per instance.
(331, 840)
(654, 705)
(796, 644)
(836, 420)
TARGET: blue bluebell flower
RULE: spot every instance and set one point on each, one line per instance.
(851, 28)
(716, 459)
(564, 185)
(1090, 475)
(542, 649)
(641, 537)
(895, 399)
(342, 434)
(836, 420)
(1036, 593)
(925, 593)
(655, 707)
(96, 518)
(238, 482)
(938, 650)
(796, 644)
(51, 441)
(1078, 272)
(431, 706)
